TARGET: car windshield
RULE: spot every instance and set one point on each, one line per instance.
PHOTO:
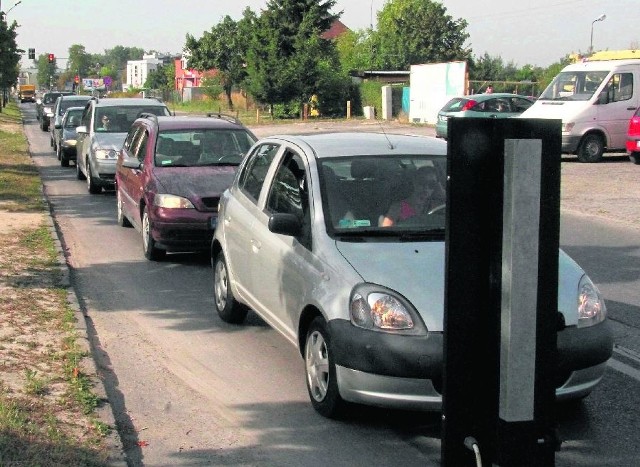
(574, 86)
(50, 98)
(199, 147)
(73, 118)
(65, 104)
(384, 196)
(118, 119)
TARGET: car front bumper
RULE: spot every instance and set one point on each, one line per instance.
(405, 372)
(182, 229)
(570, 143)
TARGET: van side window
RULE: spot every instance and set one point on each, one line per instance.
(621, 87)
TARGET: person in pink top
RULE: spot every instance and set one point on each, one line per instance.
(427, 194)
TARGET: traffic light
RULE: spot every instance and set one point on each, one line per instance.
(51, 58)
(32, 54)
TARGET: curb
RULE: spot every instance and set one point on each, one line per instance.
(104, 411)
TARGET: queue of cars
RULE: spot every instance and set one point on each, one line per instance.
(291, 224)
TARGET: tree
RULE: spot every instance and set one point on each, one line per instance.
(79, 60)
(286, 48)
(47, 71)
(418, 31)
(9, 59)
(223, 49)
(160, 78)
(355, 50)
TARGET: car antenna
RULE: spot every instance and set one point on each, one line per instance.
(391, 146)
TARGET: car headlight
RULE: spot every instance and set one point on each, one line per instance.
(105, 154)
(172, 202)
(378, 309)
(591, 307)
(567, 127)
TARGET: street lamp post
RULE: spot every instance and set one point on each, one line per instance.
(602, 17)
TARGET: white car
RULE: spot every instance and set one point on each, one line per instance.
(302, 240)
(97, 145)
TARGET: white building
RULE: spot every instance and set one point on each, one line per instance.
(138, 70)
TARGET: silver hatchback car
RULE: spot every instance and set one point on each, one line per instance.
(325, 238)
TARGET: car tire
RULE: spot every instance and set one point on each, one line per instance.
(591, 149)
(122, 219)
(52, 143)
(58, 155)
(635, 157)
(228, 308)
(79, 174)
(151, 252)
(320, 369)
(92, 187)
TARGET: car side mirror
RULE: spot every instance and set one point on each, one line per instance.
(131, 163)
(285, 224)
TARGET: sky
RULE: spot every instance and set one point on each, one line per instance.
(539, 32)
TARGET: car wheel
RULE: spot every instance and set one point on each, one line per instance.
(229, 310)
(52, 143)
(320, 368)
(635, 157)
(122, 219)
(58, 155)
(148, 243)
(591, 149)
(79, 174)
(91, 184)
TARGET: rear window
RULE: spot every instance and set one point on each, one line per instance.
(122, 117)
(455, 104)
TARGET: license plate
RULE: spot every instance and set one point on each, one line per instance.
(638, 144)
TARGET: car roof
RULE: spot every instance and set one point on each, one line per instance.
(78, 97)
(125, 101)
(190, 122)
(493, 95)
(350, 144)
(74, 109)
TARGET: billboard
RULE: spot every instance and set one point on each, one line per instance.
(432, 85)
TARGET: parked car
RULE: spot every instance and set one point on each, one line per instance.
(490, 105)
(300, 244)
(170, 174)
(62, 104)
(633, 138)
(104, 127)
(44, 107)
(66, 135)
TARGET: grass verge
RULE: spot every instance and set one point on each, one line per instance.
(47, 406)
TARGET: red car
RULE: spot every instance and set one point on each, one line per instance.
(170, 174)
(633, 138)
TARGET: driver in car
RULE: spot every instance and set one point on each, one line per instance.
(427, 195)
(212, 149)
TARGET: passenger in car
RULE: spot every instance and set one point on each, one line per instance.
(427, 194)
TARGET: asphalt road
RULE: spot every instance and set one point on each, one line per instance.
(188, 389)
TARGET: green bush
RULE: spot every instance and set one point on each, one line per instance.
(371, 92)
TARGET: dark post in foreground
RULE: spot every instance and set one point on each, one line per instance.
(501, 292)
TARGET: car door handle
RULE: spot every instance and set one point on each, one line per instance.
(631, 108)
(255, 245)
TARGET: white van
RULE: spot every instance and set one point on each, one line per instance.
(595, 101)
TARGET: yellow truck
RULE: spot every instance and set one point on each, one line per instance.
(27, 93)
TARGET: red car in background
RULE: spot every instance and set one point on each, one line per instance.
(633, 138)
